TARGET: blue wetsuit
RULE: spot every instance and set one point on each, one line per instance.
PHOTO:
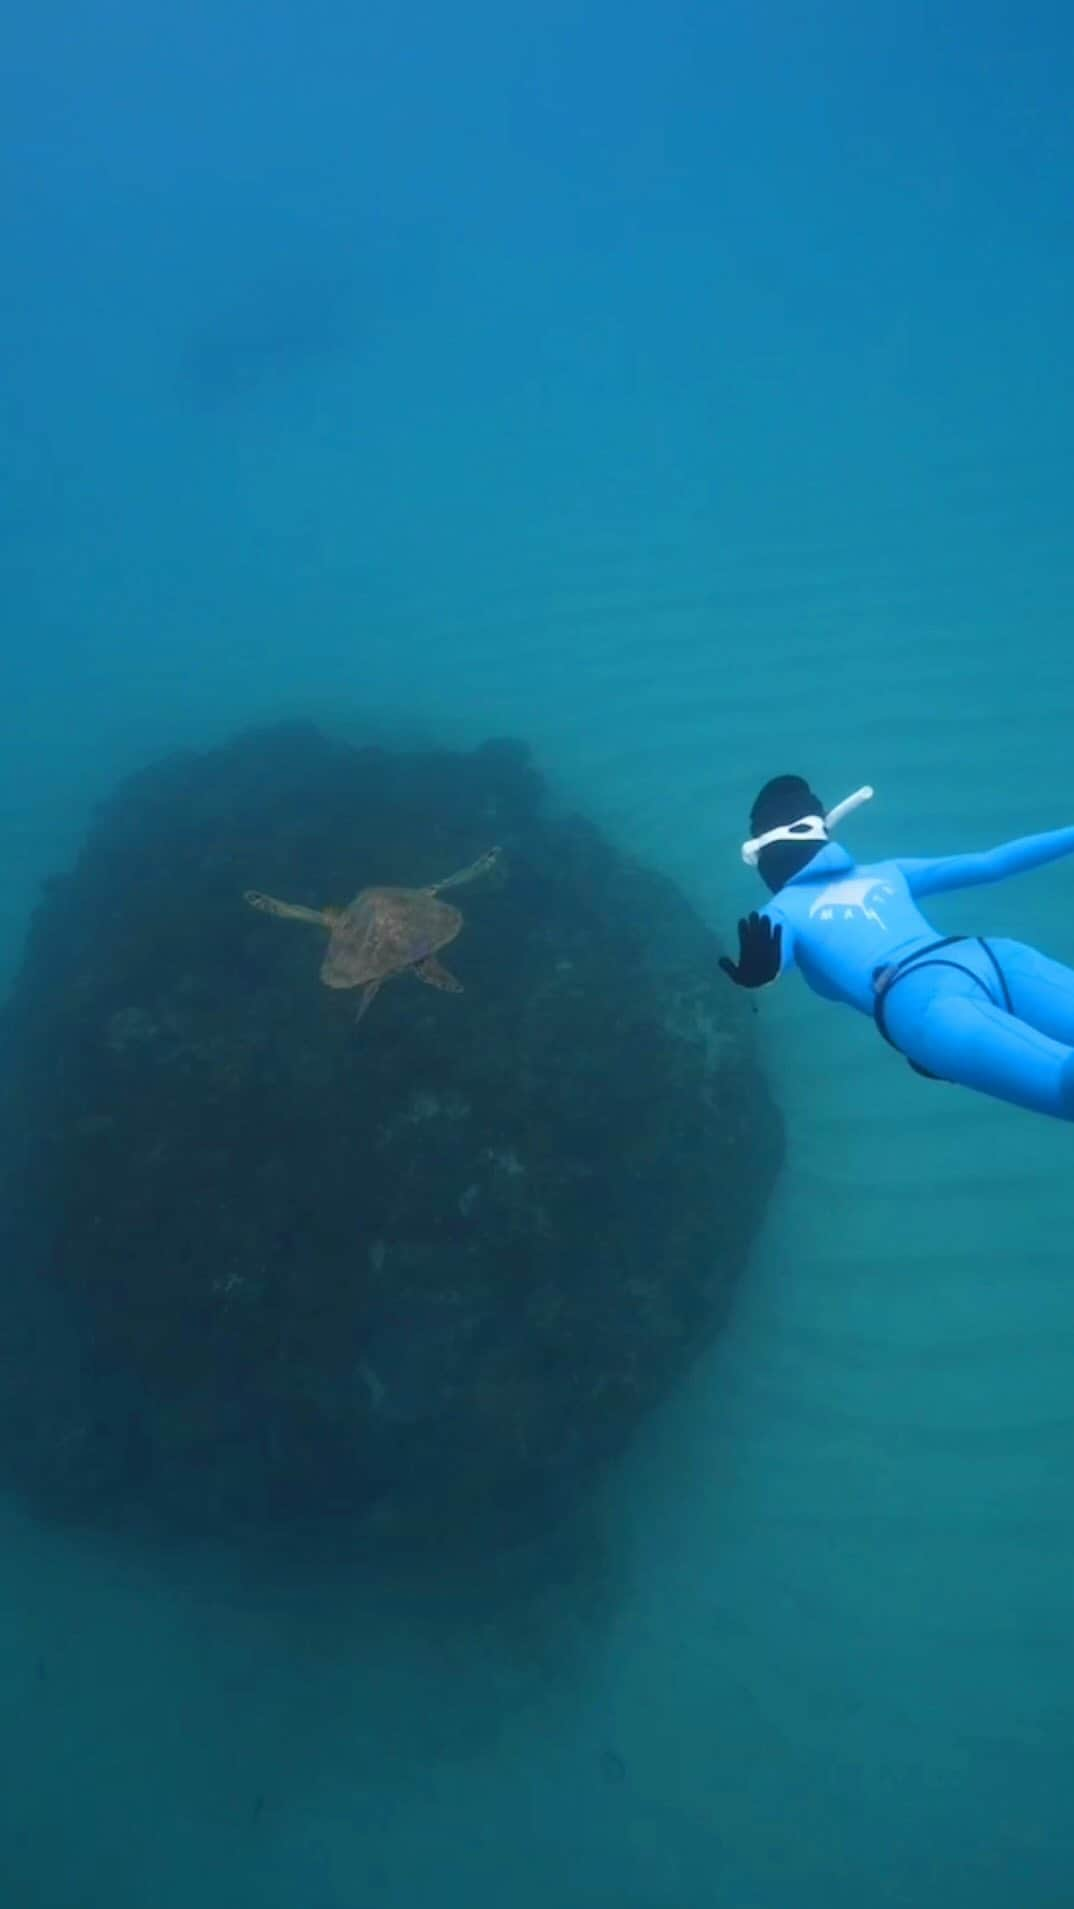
(996, 1015)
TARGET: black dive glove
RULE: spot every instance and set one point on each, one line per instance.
(760, 947)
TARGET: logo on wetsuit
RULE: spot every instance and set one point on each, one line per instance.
(845, 900)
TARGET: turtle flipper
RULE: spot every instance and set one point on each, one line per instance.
(291, 911)
(483, 866)
(371, 988)
(435, 975)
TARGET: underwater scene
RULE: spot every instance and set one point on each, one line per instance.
(537, 949)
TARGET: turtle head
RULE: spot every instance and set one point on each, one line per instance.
(342, 958)
(337, 971)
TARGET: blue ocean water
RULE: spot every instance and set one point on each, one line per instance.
(688, 390)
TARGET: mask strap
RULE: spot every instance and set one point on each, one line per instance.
(808, 828)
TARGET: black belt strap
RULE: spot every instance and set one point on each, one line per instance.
(884, 979)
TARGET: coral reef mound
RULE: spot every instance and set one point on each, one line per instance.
(426, 1272)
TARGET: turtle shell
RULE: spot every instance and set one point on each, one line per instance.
(384, 930)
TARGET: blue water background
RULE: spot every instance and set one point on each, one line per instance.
(688, 390)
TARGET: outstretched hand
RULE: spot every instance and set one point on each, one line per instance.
(760, 952)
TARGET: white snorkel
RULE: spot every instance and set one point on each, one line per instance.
(808, 828)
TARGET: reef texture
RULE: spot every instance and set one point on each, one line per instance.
(425, 1273)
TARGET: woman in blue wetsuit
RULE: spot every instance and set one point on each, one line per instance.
(994, 1015)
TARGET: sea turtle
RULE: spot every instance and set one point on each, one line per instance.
(384, 930)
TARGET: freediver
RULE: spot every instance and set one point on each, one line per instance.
(994, 1015)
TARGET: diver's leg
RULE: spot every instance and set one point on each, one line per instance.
(1041, 990)
(965, 1039)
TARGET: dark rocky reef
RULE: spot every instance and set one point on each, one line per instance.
(267, 1267)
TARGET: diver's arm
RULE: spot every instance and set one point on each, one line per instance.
(935, 876)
